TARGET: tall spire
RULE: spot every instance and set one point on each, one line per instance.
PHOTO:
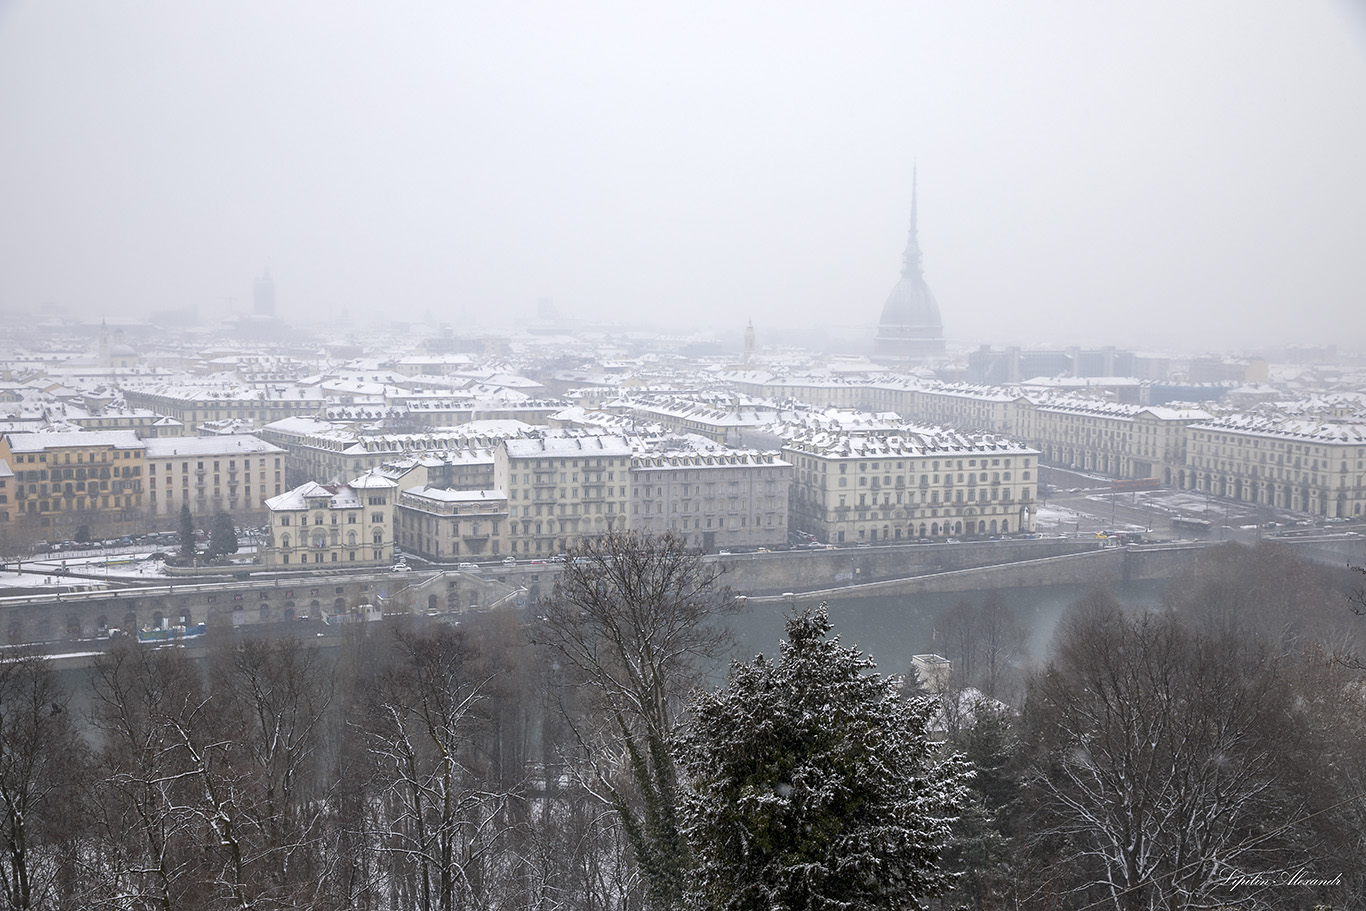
(910, 260)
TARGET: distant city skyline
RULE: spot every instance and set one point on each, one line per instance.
(1166, 175)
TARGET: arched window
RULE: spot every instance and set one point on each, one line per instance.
(351, 539)
(377, 537)
(284, 542)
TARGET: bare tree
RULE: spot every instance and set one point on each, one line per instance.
(1157, 757)
(633, 625)
(41, 763)
(148, 805)
(271, 700)
(438, 820)
(985, 644)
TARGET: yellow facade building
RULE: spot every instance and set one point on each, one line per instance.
(76, 486)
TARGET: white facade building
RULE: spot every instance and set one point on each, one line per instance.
(713, 500)
(919, 484)
(235, 474)
(325, 524)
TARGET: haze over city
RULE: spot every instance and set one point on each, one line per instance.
(1162, 174)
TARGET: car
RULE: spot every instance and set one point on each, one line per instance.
(400, 568)
(510, 561)
(468, 567)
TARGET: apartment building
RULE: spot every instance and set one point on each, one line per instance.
(1311, 466)
(725, 420)
(712, 500)
(1121, 441)
(6, 501)
(232, 473)
(256, 406)
(977, 408)
(1090, 434)
(325, 524)
(325, 449)
(81, 485)
(918, 484)
(442, 524)
(562, 488)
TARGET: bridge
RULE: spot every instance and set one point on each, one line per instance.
(82, 619)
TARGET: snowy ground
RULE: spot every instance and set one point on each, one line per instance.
(54, 572)
(1063, 520)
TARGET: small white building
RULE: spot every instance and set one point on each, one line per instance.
(333, 523)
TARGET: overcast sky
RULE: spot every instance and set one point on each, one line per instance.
(1170, 172)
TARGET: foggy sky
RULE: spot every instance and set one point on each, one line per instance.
(1167, 173)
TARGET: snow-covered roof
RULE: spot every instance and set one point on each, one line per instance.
(569, 445)
(1302, 430)
(373, 479)
(311, 495)
(445, 495)
(724, 458)
(910, 442)
(222, 444)
(41, 442)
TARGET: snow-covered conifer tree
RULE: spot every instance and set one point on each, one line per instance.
(814, 784)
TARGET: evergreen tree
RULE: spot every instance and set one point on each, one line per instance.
(222, 536)
(979, 851)
(815, 785)
(187, 548)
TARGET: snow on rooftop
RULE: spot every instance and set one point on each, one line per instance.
(223, 444)
(40, 442)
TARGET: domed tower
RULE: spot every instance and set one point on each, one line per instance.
(910, 329)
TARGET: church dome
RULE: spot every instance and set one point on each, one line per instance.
(910, 328)
(911, 310)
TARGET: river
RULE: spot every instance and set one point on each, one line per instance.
(892, 629)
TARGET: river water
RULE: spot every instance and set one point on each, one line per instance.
(892, 629)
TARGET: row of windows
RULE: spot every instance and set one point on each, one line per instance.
(318, 519)
(318, 558)
(65, 458)
(199, 465)
(332, 540)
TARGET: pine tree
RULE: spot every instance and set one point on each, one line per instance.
(814, 784)
(187, 548)
(222, 536)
